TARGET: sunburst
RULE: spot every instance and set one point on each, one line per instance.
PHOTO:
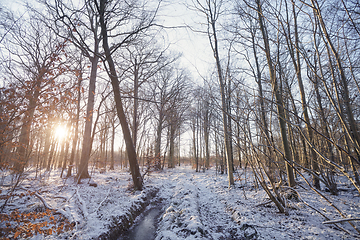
(60, 132)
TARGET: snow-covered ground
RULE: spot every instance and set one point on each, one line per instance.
(194, 206)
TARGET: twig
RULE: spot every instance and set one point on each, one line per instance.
(97, 209)
(12, 190)
(341, 220)
(43, 201)
(61, 197)
(263, 204)
(82, 203)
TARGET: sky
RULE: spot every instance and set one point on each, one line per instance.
(197, 56)
(175, 16)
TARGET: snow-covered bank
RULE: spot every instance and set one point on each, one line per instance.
(195, 206)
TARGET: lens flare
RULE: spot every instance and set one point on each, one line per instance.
(60, 132)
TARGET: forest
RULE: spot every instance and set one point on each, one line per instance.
(228, 116)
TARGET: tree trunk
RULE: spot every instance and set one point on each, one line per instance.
(206, 139)
(279, 101)
(64, 155)
(130, 149)
(264, 123)
(23, 149)
(224, 108)
(353, 134)
(76, 129)
(87, 140)
(171, 160)
(136, 104)
(296, 63)
(112, 161)
(158, 141)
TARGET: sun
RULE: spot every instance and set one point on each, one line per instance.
(60, 132)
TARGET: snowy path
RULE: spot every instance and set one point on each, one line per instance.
(201, 206)
(213, 211)
(194, 209)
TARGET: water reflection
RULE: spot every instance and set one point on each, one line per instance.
(146, 228)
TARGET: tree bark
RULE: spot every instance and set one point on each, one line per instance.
(279, 101)
(87, 140)
(130, 149)
(224, 107)
(76, 128)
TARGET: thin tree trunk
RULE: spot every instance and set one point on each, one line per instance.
(206, 135)
(261, 100)
(76, 128)
(354, 135)
(112, 161)
(87, 140)
(224, 107)
(171, 160)
(158, 141)
(130, 149)
(339, 109)
(64, 156)
(24, 149)
(279, 101)
(136, 103)
(296, 62)
(51, 154)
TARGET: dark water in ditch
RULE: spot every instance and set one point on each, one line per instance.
(145, 229)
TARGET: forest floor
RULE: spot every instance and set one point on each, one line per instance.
(195, 205)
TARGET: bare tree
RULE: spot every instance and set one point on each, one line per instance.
(178, 104)
(212, 10)
(141, 21)
(140, 61)
(277, 93)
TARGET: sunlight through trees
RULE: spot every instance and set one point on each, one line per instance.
(92, 87)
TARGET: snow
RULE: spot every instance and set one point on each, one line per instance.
(194, 205)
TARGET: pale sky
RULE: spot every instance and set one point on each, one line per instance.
(197, 55)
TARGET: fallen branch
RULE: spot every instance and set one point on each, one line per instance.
(46, 205)
(61, 197)
(316, 210)
(83, 205)
(341, 220)
(317, 191)
(97, 209)
(263, 204)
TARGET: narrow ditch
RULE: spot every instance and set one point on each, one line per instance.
(145, 228)
(122, 224)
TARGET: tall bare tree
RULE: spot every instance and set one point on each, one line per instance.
(212, 11)
(112, 16)
(277, 93)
